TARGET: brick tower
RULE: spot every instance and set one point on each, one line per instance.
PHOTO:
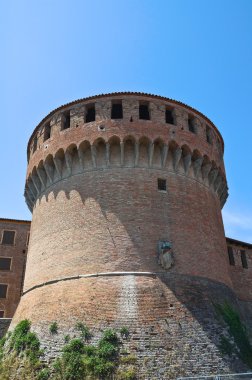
(126, 191)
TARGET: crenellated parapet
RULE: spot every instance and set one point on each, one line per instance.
(125, 130)
(124, 108)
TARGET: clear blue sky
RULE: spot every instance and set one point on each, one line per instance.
(199, 52)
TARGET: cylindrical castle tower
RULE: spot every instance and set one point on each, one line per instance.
(126, 191)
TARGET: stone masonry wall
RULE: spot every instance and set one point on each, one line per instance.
(173, 324)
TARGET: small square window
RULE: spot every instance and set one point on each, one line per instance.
(8, 237)
(161, 184)
(5, 263)
(1, 313)
(3, 290)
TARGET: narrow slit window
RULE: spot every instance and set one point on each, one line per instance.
(208, 135)
(8, 237)
(47, 132)
(144, 112)
(66, 120)
(1, 313)
(35, 144)
(27, 239)
(117, 110)
(5, 263)
(231, 256)
(90, 113)
(244, 259)
(161, 184)
(191, 125)
(169, 119)
(3, 290)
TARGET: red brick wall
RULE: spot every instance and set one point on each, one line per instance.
(241, 277)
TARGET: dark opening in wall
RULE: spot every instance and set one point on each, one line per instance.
(90, 113)
(231, 256)
(3, 290)
(47, 131)
(117, 110)
(1, 313)
(27, 239)
(5, 263)
(208, 135)
(169, 116)
(144, 112)
(35, 144)
(161, 184)
(244, 259)
(66, 120)
(8, 237)
(191, 125)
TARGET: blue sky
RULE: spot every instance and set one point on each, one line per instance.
(195, 51)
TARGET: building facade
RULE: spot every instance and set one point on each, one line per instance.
(126, 192)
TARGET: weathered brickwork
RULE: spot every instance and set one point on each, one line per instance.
(16, 252)
(106, 195)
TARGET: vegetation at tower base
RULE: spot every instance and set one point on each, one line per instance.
(238, 333)
(21, 357)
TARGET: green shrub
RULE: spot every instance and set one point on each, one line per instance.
(53, 328)
(66, 338)
(24, 341)
(225, 346)
(128, 359)
(124, 331)
(110, 336)
(80, 361)
(44, 374)
(128, 374)
(238, 331)
(84, 330)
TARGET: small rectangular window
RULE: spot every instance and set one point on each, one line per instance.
(231, 256)
(208, 135)
(1, 313)
(161, 184)
(191, 125)
(66, 120)
(3, 290)
(5, 263)
(244, 259)
(8, 237)
(47, 131)
(90, 113)
(144, 112)
(169, 119)
(117, 110)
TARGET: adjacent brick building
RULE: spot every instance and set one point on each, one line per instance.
(14, 235)
(126, 192)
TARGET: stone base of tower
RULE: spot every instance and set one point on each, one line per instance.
(172, 320)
